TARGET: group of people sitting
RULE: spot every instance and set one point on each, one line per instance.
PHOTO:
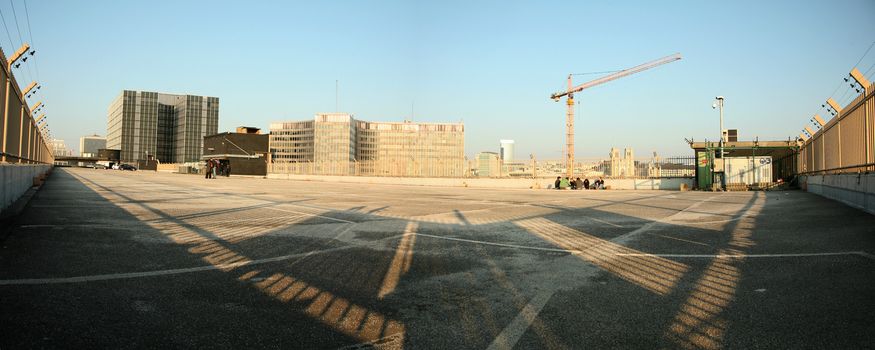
(577, 184)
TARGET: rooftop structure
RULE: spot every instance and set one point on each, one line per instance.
(244, 153)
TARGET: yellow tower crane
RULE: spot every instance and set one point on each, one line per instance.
(569, 122)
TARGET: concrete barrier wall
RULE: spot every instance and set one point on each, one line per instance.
(856, 190)
(620, 184)
(16, 180)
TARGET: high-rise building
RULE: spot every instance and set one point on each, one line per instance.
(168, 127)
(338, 144)
(506, 151)
(88, 145)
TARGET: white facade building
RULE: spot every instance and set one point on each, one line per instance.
(506, 153)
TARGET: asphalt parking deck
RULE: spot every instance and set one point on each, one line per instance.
(111, 259)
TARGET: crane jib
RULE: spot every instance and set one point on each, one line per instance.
(618, 75)
(569, 114)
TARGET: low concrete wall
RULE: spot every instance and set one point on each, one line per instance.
(619, 184)
(856, 190)
(16, 180)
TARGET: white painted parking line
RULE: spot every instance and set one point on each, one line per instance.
(496, 244)
(118, 276)
(313, 215)
(700, 256)
(511, 334)
(677, 239)
(780, 255)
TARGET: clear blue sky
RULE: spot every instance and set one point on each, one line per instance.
(491, 64)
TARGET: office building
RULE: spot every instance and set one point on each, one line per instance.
(168, 127)
(338, 144)
(88, 145)
(488, 164)
(506, 151)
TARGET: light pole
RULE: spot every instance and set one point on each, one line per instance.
(719, 103)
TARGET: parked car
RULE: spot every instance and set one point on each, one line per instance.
(99, 166)
(127, 167)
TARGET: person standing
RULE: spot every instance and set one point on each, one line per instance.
(209, 169)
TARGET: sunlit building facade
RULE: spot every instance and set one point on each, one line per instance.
(488, 164)
(168, 127)
(59, 148)
(338, 144)
(506, 153)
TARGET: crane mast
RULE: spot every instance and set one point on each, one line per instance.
(569, 95)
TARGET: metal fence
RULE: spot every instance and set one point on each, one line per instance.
(607, 168)
(22, 141)
(845, 143)
(585, 168)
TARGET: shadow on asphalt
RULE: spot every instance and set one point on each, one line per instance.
(414, 284)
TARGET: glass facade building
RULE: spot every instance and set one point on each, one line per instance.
(88, 145)
(338, 144)
(169, 127)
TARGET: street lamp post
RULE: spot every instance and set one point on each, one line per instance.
(719, 103)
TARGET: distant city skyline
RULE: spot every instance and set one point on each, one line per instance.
(491, 65)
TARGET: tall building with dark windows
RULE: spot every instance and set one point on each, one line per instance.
(168, 127)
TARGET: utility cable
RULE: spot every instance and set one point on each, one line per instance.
(870, 69)
(11, 43)
(865, 53)
(21, 39)
(17, 28)
(841, 100)
(30, 35)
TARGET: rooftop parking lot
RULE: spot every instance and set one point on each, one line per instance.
(114, 259)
